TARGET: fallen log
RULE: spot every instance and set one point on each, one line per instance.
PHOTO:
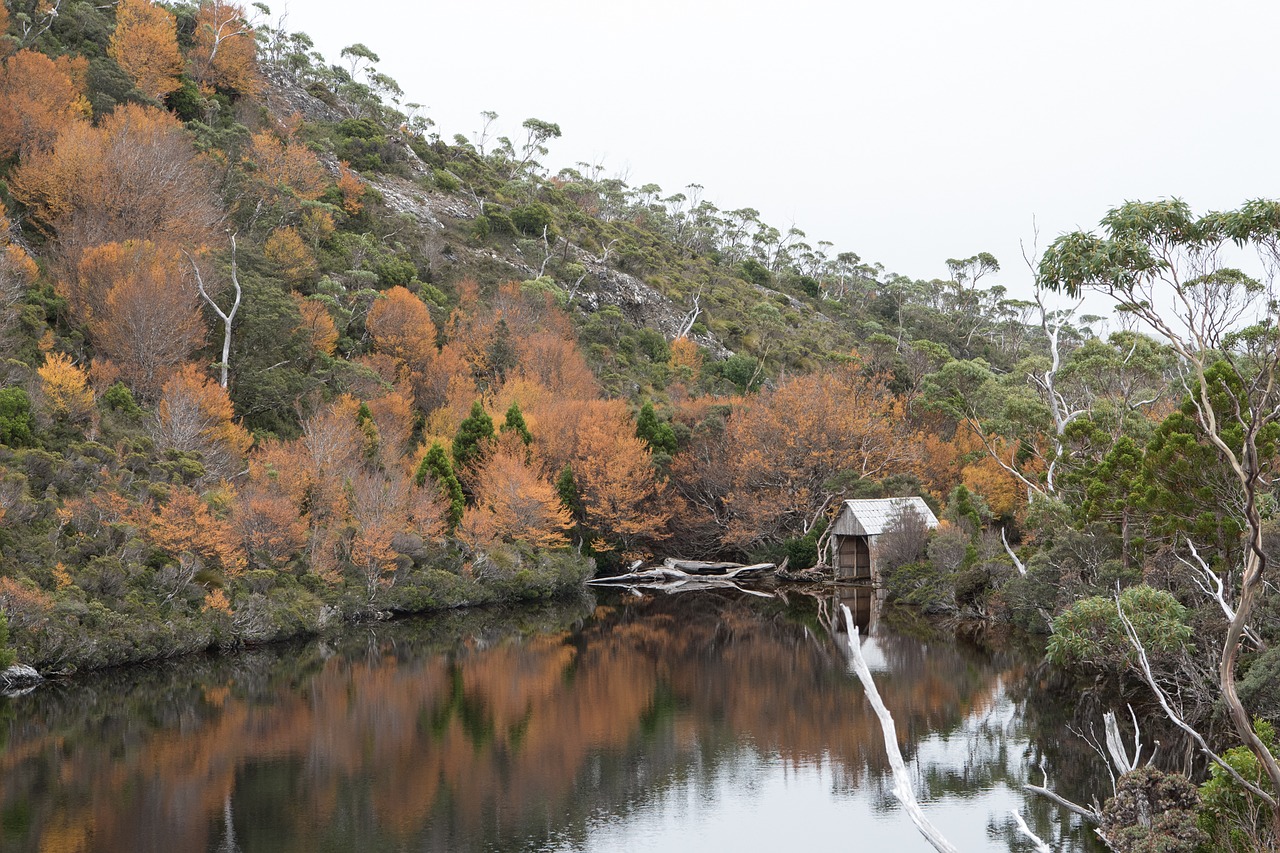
(661, 573)
(699, 567)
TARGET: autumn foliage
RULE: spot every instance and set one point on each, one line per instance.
(405, 418)
(39, 98)
(133, 176)
(770, 470)
(514, 503)
(195, 416)
(183, 524)
(142, 310)
(224, 55)
(285, 170)
(65, 387)
(145, 46)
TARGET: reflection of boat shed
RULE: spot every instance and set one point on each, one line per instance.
(859, 526)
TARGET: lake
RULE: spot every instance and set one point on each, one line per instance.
(699, 722)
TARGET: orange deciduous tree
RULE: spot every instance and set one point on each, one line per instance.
(267, 525)
(195, 416)
(145, 46)
(782, 448)
(135, 176)
(685, 360)
(184, 525)
(285, 170)
(318, 324)
(223, 54)
(351, 188)
(554, 361)
(142, 311)
(393, 415)
(1005, 494)
(513, 504)
(65, 388)
(624, 502)
(383, 506)
(39, 98)
(401, 327)
(296, 260)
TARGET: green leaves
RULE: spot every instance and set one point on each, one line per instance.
(474, 435)
(435, 465)
(1090, 634)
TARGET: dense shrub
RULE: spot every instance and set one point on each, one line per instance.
(1152, 812)
(16, 422)
(1090, 635)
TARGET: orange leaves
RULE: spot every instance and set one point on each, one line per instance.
(1004, 493)
(351, 188)
(268, 527)
(135, 176)
(286, 170)
(613, 469)
(356, 503)
(145, 46)
(513, 504)
(401, 327)
(65, 387)
(184, 525)
(782, 447)
(555, 362)
(195, 416)
(224, 54)
(39, 97)
(296, 260)
(685, 360)
(142, 311)
(318, 324)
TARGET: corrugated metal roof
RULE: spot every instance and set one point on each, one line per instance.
(872, 517)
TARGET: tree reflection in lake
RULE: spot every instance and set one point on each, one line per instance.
(674, 722)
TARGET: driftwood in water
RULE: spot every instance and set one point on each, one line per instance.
(673, 575)
(699, 567)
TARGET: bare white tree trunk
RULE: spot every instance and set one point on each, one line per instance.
(901, 778)
(227, 317)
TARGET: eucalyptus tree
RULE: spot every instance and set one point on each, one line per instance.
(1171, 270)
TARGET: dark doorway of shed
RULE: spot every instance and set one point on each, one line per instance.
(854, 559)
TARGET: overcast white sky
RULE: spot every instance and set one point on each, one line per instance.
(908, 132)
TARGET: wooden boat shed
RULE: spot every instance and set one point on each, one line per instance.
(858, 527)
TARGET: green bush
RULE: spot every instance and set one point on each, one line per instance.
(1090, 635)
(921, 585)
(7, 655)
(16, 422)
(446, 181)
(1232, 818)
(119, 398)
(741, 370)
(530, 219)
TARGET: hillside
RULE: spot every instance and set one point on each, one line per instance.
(278, 354)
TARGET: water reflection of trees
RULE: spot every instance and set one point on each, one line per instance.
(530, 726)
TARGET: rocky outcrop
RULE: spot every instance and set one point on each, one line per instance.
(284, 97)
(411, 196)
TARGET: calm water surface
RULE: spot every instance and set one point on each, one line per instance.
(698, 722)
